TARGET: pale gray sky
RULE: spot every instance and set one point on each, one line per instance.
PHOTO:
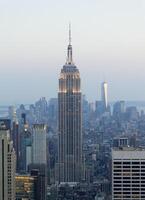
(108, 38)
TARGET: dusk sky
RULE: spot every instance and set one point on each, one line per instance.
(108, 38)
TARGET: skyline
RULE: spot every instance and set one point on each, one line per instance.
(108, 46)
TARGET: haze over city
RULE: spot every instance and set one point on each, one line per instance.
(72, 103)
(108, 39)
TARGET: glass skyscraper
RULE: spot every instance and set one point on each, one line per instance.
(104, 95)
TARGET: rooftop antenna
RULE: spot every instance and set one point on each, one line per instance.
(69, 33)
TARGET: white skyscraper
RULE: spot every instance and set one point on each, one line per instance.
(104, 94)
(7, 166)
(39, 144)
(128, 173)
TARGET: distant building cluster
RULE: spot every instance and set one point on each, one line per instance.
(70, 149)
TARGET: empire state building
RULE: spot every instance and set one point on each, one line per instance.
(70, 121)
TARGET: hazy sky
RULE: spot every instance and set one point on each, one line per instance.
(108, 38)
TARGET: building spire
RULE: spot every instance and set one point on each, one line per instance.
(69, 33)
(69, 49)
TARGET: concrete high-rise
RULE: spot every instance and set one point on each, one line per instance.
(39, 144)
(69, 121)
(128, 173)
(7, 165)
(104, 95)
(39, 157)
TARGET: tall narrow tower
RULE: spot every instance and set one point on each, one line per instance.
(104, 95)
(69, 121)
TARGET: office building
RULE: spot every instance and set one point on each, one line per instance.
(25, 187)
(119, 109)
(69, 121)
(16, 142)
(99, 108)
(25, 148)
(7, 165)
(128, 173)
(53, 113)
(39, 144)
(30, 186)
(39, 157)
(121, 141)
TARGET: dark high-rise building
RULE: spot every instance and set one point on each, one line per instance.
(25, 148)
(23, 118)
(70, 121)
(16, 142)
(30, 186)
(39, 172)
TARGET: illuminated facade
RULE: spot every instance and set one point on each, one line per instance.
(70, 121)
(25, 187)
